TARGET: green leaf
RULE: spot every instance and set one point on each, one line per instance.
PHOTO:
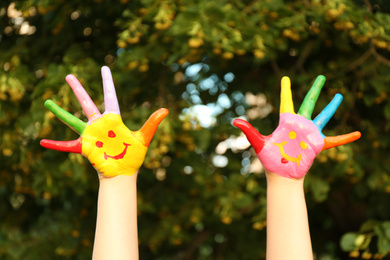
(318, 187)
(347, 242)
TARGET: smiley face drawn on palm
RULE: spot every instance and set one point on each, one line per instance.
(293, 146)
(107, 143)
(290, 150)
(111, 147)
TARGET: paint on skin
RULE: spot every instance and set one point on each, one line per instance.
(118, 156)
(287, 151)
(107, 141)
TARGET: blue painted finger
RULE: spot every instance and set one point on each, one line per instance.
(326, 114)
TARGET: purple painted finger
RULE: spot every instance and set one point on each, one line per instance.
(110, 99)
(86, 103)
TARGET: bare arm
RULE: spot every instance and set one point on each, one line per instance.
(287, 155)
(116, 153)
(288, 235)
(116, 234)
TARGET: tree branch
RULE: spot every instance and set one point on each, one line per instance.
(276, 69)
(359, 61)
(379, 57)
(368, 5)
(200, 238)
(302, 58)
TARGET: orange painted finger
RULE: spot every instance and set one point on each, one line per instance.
(333, 141)
(149, 128)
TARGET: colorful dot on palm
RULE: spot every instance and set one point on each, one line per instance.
(297, 139)
(111, 134)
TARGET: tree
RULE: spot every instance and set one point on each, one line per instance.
(201, 189)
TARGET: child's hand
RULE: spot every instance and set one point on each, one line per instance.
(290, 150)
(107, 143)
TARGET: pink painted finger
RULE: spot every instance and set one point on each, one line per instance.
(73, 146)
(110, 99)
(256, 139)
(86, 103)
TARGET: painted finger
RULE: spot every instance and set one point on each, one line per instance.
(256, 139)
(333, 141)
(110, 98)
(326, 114)
(73, 146)
(73, 122)
(310, 100)
(149, 128)
(286, 102)
(86, 103)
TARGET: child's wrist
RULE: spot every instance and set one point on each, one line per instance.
(119, 178)
(273, 178)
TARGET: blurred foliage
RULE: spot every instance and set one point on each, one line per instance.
(225, 58)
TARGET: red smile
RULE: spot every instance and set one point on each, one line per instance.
(119, 156)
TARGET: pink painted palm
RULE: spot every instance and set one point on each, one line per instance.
(290, 150)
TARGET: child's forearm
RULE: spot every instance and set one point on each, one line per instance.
(288, 235)
(116, 234)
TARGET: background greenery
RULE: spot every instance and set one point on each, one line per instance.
(201, 190)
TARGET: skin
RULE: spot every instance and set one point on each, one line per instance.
(117, 153)
(287, 155)
(116, 235)
(288, 234)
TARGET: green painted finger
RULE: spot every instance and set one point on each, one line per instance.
(69, 119)
(310, 100)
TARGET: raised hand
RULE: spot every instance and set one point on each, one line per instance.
(107, 143)
(290, 150)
